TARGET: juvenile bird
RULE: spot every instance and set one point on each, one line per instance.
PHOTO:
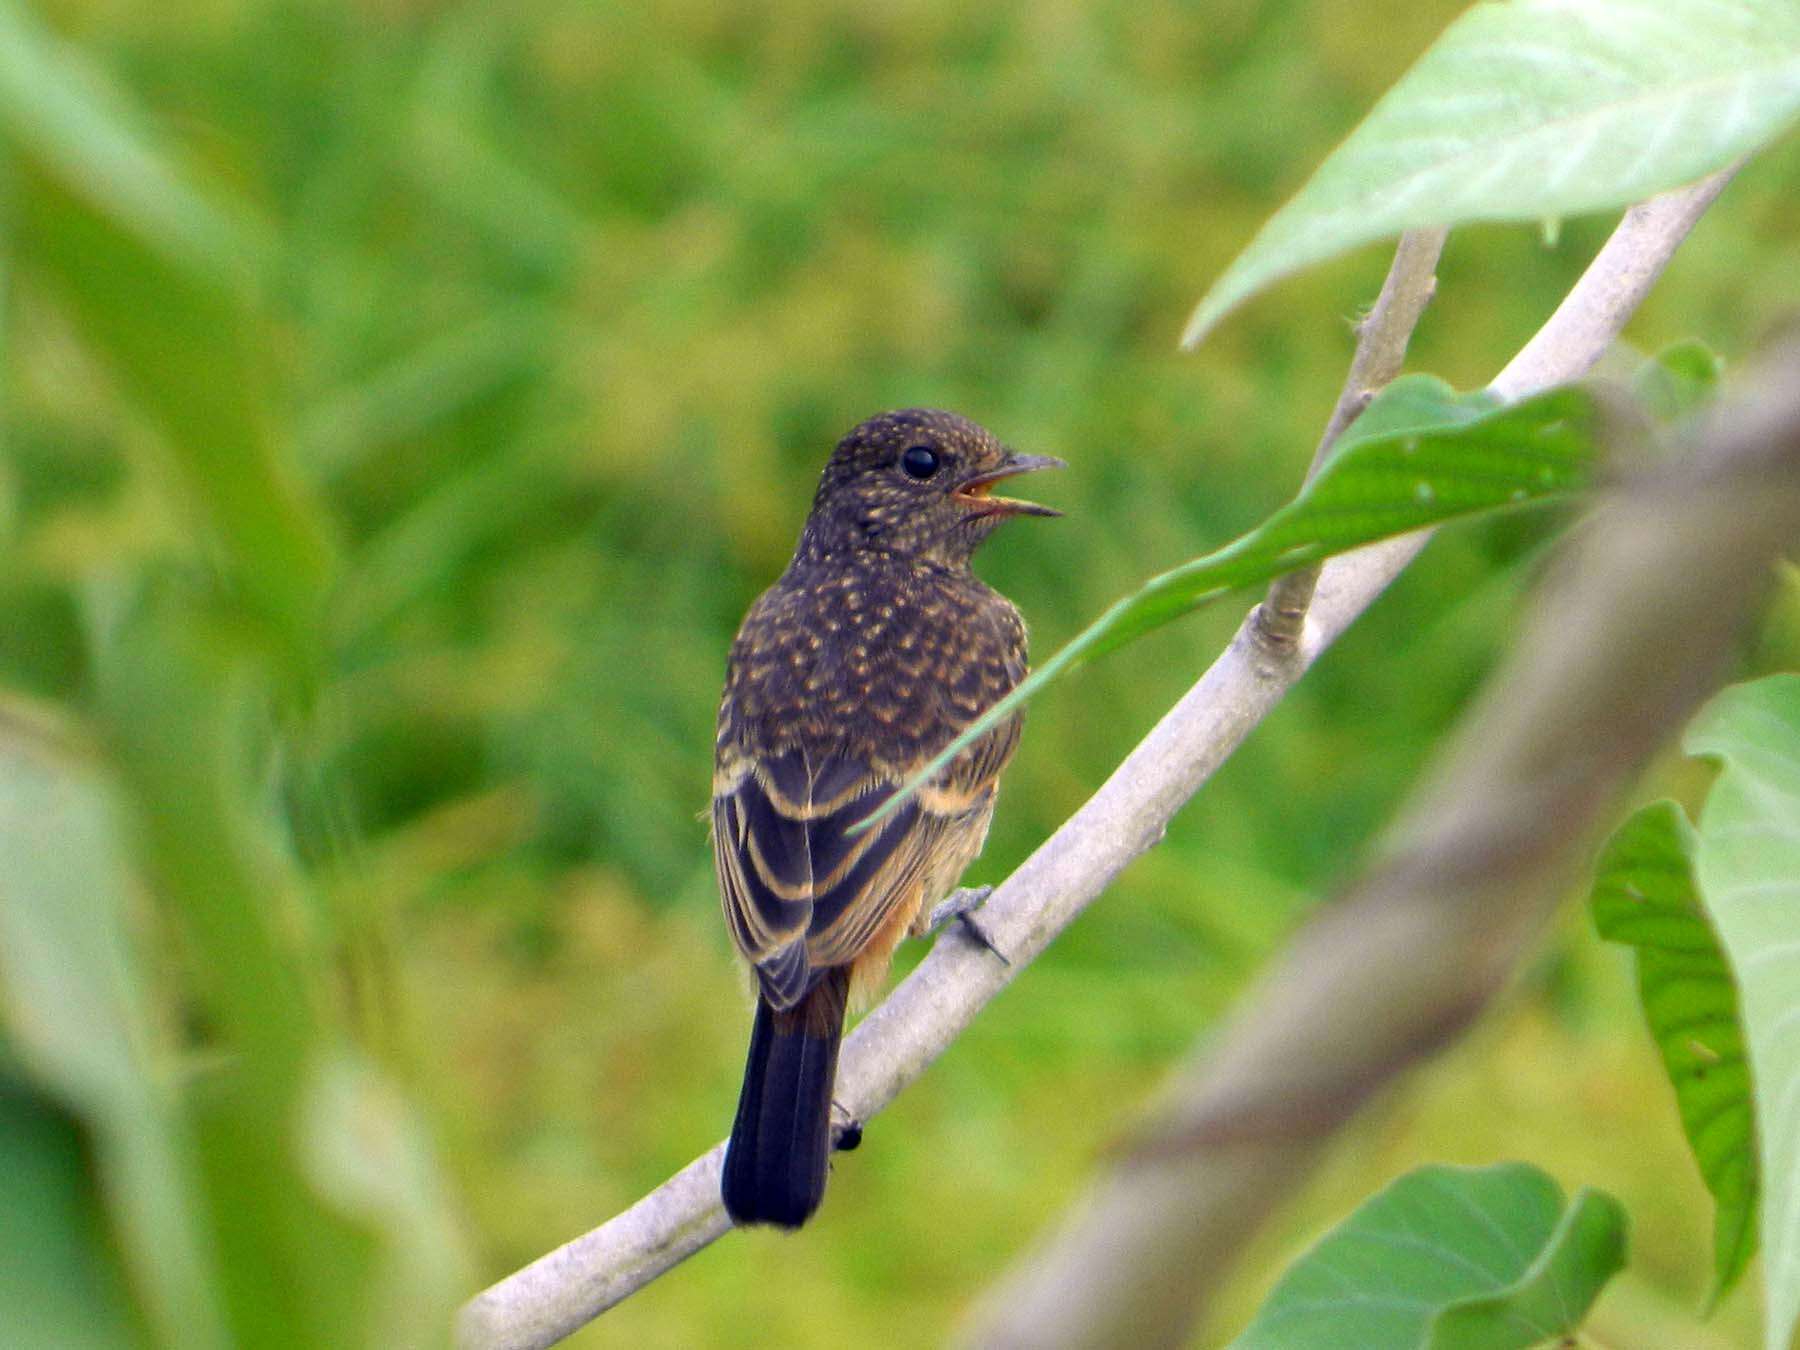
(873, 650)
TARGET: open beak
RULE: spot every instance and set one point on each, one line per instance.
(977, 492)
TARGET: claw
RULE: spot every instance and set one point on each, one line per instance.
(846, 1130)
(956, 905)
(961, 906)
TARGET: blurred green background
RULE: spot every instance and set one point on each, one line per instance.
(394, 432)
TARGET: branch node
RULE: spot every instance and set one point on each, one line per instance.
(1277, 624)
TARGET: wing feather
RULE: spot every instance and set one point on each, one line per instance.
(801, 893)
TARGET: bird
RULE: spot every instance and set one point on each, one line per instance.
(873, 650)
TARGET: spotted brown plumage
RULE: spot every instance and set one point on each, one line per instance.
(876, 647)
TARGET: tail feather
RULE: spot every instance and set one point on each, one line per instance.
(781, 1140)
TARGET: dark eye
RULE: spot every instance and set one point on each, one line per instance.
(919, 461)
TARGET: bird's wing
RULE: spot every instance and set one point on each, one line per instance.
(802, 893)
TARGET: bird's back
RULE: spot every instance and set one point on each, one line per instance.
(884, 660)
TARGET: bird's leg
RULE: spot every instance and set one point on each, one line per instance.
(961, 906)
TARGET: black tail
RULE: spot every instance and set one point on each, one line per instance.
(781, 1139)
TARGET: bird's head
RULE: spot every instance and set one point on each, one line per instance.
(918, 483)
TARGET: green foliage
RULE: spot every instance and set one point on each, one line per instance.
(1680, 379)
(1747, 862)
(1421, 454)
(310, 1255)
(1645, 895)
(238, 1197)
(1449, 1258)
(58, 1284)
(136, 254)
(1535, 110)
(468, 370)
(83, 1020)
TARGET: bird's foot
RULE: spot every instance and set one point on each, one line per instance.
(957, 905)
(846, 1131)
(960, 906)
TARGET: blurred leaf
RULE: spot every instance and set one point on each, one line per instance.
(58, 115)
(422, 547)
(157, 278)
(1748, 865)
(59, 1283)
(1449, 1258)
(424, 388)
(1680, 379)
(326, 1208)
(370, 1157)
(185, 718)
(1539, 109)
(452, 154)
(78, 1014)
(1419, 455)
(1645, 895)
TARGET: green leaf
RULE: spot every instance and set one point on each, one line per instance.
(1421, 454)
(1645, 895)
(59, 1282)
(157, 278)
(182, 720)
(57, 113)
(1449, 1258)
(327, 1211)
(368, 1154)
(80, 1019)
(1679, 380)
(1748, 865)
(1536, 110)
(417, 394)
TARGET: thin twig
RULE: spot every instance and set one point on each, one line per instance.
(1609, 292)
(925, 1014)
(1381, 343)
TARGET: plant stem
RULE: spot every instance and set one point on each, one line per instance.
(1381, 343)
